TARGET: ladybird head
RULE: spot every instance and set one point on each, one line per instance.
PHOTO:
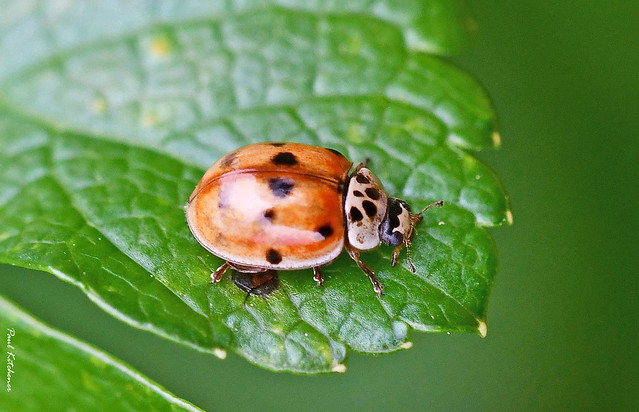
(398, 228)
(398, 225)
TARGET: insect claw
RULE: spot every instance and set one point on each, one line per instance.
(317, 276)
(412, 267)
(219, 272)
(377, 287)
(395, 257)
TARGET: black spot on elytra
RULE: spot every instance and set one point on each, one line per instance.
(273, 256)
(280, 187)
(356, 215)
(269, 214)
(325, 230)
(285, 158)
(369, 208)
(362, 179)
(334, 151)
(278, 144)
(358, 193)
(372, 193)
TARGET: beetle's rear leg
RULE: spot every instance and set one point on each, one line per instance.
(317, 276)
(219, 272)
(377, 287)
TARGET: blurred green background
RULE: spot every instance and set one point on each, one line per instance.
(563, 316)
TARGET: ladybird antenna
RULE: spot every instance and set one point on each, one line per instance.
(415, 218)
(439, 203)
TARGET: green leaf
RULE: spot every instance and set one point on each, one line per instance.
(49, 370)
(109, 116)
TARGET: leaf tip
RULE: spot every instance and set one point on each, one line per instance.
(406, 345)
(339, 368)
(509, 217)
(219, 353)
(482, 328)
(496, 139)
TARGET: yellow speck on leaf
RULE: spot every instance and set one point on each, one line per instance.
(99, 105)
(353, 45)
(160, 47)
(95, 361)
(149, 118)
(413, 125)
(88, 382)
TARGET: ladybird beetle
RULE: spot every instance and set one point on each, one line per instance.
(290, 206)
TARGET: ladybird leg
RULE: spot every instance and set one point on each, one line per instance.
(377, 287)
(219, 272)
(396, 255)
(410, 262)
(317, 276)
